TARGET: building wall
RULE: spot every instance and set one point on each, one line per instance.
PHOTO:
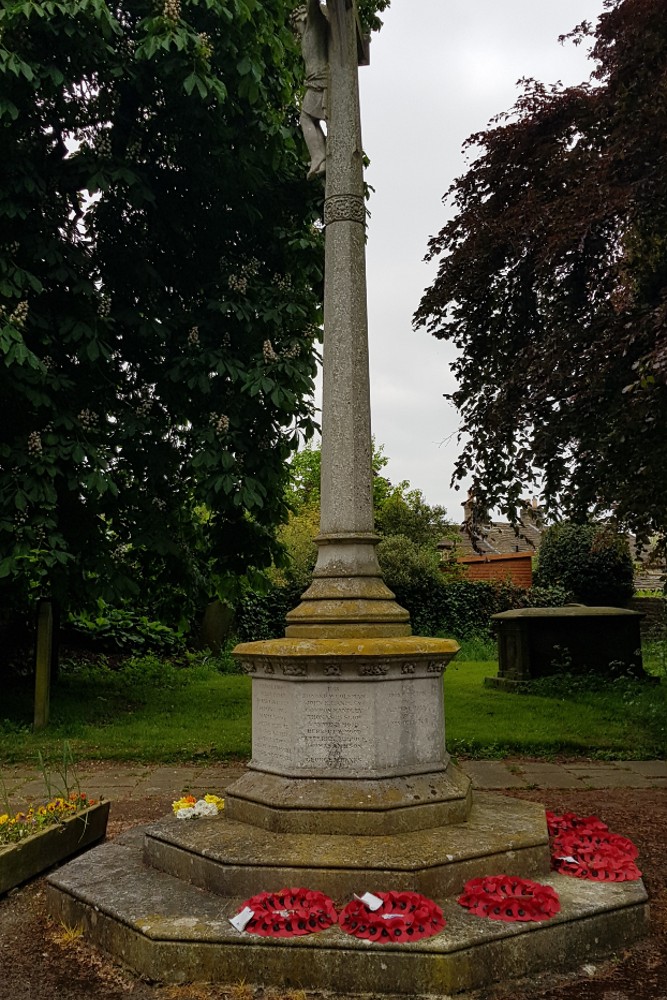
(654, 610)
(518, 568)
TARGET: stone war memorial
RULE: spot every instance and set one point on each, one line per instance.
(349, 790)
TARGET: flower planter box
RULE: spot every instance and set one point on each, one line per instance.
(32, 855)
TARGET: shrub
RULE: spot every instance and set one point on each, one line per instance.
(591, 561)
(119, 630)
(437, 604)
(262, 616)
(131, 677)
(298, 537)
(553, 596)
(462, 609)
(412, 572)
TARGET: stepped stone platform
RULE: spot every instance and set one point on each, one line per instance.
(159, 899)
(231, 858)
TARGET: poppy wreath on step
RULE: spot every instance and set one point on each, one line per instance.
(403, 916)
(289, 913)
(585, 847)
(570, 821)
(598, 856)
(506, 897)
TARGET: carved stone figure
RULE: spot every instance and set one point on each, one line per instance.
(310, 21)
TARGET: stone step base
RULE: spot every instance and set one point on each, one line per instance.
(235, 859)
(170, 931)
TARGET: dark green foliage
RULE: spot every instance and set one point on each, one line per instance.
(591, 561)
(549, 596)
(458, 609)
(463, 608)
(552, 284)
(262, 616)
(368, 13)
(403, 511)
(404, 563)
(412, 572)
(156, 344)
(120, 630)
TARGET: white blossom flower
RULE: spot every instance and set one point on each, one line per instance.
(268, 352)
(186, 813)
(203, 808)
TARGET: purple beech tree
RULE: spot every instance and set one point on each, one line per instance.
(552, 282)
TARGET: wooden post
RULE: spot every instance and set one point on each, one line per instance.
(43, 664)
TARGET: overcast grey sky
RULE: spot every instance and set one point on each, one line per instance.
(440, 69)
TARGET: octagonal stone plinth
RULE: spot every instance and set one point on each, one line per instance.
(348, 735)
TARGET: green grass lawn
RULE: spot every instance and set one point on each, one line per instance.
(152, 711)
(603, 720)
(157, 714)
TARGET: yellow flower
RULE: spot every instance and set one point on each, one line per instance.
(4, 819)
(216, 800)
(183, 803)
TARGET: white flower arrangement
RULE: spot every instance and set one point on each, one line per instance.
(189, 807)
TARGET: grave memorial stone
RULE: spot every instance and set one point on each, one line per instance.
(576, 639)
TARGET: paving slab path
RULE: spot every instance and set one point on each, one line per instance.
(25, 784)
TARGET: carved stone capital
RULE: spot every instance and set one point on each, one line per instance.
(344, 208)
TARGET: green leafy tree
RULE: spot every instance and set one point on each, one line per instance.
(404, 511)
(399, 509)
(590, 561)
(160, 280)
(409, 527)
(297, 536)
(303, 491)
(552, 282)
(369, 11)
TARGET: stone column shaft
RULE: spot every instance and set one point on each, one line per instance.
(348, 596)
(347, 500)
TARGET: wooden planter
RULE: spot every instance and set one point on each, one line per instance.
(33, 855)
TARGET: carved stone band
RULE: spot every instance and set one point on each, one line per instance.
(344, 208)
(289, 667)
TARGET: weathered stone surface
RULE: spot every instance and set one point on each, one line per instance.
(216, 626)
(354, 729)
(345, 709)
(369, 807)
(502, 834)
(33, 855)
(335, 649)
(346, 544)
(535, 642)
(170, 931)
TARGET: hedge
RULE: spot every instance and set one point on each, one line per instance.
(458, 609)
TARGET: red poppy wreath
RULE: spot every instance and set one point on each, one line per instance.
(597, 856)
(585, 847)
(398, 917)
(288, 913)
(570, 821)
(505, 897)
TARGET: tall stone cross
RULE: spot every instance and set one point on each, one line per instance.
(348, 597)
(347, 709)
